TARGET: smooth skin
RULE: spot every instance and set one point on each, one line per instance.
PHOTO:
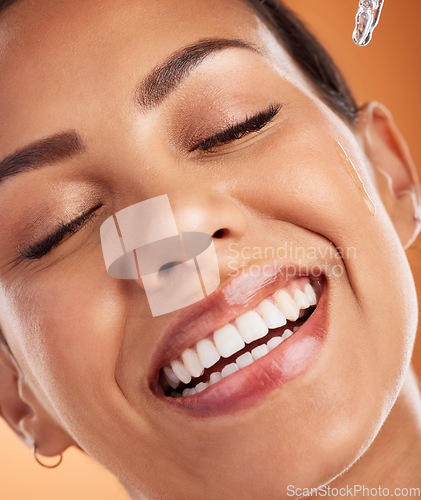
(82, 355)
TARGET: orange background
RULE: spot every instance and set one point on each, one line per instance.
(388, 70)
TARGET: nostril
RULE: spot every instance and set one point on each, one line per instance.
(221, 233)
(169, 265)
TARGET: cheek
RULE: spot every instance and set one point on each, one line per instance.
(293, 174)
(303, 190)
(70, 324)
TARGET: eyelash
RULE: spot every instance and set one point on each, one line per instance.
(239, 130)
(35, 251)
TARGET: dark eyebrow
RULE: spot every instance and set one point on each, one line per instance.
(152, 91)
(44, 152)
(169, 74)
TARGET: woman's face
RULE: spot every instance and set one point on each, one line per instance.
(88, 343)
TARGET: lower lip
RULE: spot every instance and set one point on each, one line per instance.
(251, 384)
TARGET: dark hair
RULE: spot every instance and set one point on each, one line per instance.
(311, 57)
(6, 3)
(305, 50)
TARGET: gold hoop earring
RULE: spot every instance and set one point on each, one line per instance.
(34, 448)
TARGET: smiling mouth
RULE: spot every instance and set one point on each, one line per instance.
(242, 342)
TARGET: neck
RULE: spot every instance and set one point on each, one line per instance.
(393, 459)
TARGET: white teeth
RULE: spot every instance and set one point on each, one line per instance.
(288, 307)
(287, 334)
(192, 363)
(207, 352)
(272, 316)
(244, 360)
(251, 326)
(260, 351)
(233, 337)
(215, 377)
(229, 369)
(171, 377)
(228, 341)
(201, 387)
(310, 294)
(180, 371)
(274, 342)
(301, 299)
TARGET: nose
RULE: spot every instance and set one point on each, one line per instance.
(171, 248)
(211, 212)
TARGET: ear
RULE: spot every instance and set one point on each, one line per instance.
(24, 414)
(394, 170)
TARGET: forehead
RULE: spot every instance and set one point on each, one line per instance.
(60, 58)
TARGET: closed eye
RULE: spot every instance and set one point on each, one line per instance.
(239, 130)
(35, 251)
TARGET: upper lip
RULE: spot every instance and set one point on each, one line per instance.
(231, 299)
